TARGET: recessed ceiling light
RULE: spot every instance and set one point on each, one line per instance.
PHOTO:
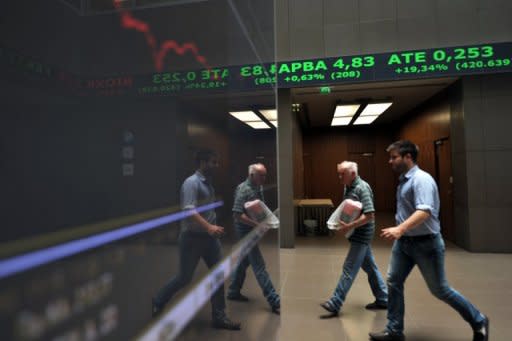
(365, 119)
(375, 109)
(270, 114)
(346, 110)
(340, 121)
(258, 125)
(245, 116)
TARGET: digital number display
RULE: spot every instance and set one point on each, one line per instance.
(428, 63)
(385, 66)
(439, 62)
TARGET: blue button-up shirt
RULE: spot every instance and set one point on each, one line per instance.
(417, 190)
(197, 191)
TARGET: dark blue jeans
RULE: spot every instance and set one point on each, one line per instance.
(428, 254)
(192, 247)
(255, 259)
(359, 256)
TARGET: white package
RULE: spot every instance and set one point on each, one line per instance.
(258, 211)
(347, 211)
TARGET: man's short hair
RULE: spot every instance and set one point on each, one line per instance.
(405, 147)
(204, 155)
(254, 167)
(350, 165)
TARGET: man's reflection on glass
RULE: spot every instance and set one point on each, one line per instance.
(249, 190)
(198, 239)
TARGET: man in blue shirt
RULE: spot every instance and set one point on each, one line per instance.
(249, 190)
(360, 253)
(198, 239)
(418, 241)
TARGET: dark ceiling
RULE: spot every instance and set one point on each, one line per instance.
(405, 95)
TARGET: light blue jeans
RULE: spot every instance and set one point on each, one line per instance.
(428, 254)
(359, 256)
(255, 259)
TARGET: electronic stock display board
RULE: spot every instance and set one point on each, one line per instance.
(414, 64)
(427, 63)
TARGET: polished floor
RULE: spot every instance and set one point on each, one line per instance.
(310, 272)
(307, 275)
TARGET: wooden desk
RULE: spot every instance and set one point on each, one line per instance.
(317, 209)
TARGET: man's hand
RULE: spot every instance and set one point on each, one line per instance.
(344, 227)
(215, 231)
(392, 233)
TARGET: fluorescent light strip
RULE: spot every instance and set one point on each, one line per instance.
(250, 118)
(365, 119)
(346, 110)
(258, 125)
(270, 114)
(375, 109)
(340, 121)
(21, 263)
(245, 116)
(274, 123)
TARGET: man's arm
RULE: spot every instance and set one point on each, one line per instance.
(363, 219)
(395, 232)
(244, 219)
(212, 230)
(424, 201)
(368, 214)
(189, 201)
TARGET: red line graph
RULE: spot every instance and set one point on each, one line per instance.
(158, 52)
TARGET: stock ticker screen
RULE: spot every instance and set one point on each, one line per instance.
(417, 64)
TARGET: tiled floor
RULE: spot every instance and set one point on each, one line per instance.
(310, 272)
(307, 275)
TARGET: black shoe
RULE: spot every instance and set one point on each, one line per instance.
(329, 307)
(238, 297)
(386, 336)
(225, 323)
(482, 333)
(276, 310)
(155, 308)
(376, 306)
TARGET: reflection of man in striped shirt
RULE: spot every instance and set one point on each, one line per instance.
(360, 253)
(198, 239)
(249, 190)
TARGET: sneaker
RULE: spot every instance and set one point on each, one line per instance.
(376, 306)
(386, 336)
(327, 305)
(238, 297)
(482, 333)
(225, 323)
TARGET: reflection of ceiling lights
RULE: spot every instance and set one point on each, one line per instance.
(296, 107)
(371, 112)
(343, 114)
(250, 118)
(245, 116)
(270, 115)
(258, 125)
